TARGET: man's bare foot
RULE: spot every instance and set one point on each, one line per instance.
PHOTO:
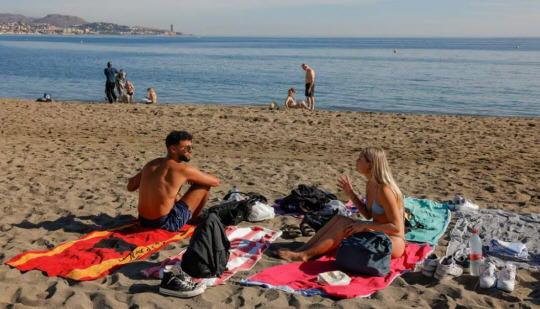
(290, 256)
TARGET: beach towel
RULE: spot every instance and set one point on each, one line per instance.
(247, 247)
(301, 277)
(98, 253)
(504, 226)
(431, 220)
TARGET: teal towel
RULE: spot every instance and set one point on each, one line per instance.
(432, 220)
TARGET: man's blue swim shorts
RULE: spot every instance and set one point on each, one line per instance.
(172, 222)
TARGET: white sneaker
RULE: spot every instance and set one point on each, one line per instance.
(488, 278)
(507, 280)
(447, 269)
(430, 265)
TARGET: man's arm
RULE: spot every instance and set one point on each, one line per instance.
(194, 175)
(134, 182)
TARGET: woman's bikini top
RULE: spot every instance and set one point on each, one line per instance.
(375, 207)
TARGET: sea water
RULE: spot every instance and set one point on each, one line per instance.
(459, 76)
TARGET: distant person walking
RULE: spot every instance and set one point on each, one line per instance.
(110, 73)
(130, 90)
(120, 88)
(310, 85)
(151, 98)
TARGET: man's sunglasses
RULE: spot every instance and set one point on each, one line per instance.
(188, 148)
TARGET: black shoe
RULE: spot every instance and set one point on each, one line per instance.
(177, 283)
(462, 259)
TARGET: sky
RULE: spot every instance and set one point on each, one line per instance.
(305, 18)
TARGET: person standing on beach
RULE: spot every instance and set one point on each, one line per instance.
(160, 181)
(310, 85)
(120, 87)
(110, 73)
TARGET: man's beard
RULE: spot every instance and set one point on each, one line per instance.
(183, 158)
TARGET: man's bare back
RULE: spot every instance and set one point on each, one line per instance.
(161, 179)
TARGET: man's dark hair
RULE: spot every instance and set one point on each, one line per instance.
(175, 137)
(109, 64)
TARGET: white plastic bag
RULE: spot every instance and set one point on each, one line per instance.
(335, 277)
(331, 207)
(260, 212)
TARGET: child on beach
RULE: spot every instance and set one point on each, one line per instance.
(130, 90)
(290, 102)
(151, 98)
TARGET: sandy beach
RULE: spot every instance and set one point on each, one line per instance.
(65, 167)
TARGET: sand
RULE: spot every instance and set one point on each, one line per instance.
(65, 167)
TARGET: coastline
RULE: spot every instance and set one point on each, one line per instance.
(66, 164)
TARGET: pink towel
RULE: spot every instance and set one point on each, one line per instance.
(301, 276)
(247, 247)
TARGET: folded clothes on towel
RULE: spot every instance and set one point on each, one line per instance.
(513, 249)
(461, 203)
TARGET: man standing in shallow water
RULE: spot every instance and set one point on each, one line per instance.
(310, 85)
(110, 73)
(160, 181)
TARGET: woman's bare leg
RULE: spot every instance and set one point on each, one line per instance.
(327, 239)
(331, 225)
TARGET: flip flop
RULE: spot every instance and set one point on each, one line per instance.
(291, 231)
(306, 230)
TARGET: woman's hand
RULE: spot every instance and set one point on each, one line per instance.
(356, 227)
(344, 183)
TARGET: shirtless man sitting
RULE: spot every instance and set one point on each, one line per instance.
(160, 181)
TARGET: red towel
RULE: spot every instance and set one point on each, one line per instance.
(98, 253)
(303, 275)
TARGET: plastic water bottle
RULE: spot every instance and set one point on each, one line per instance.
(234, 194)
(476, 257)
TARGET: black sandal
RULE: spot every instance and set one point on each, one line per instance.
(291, 231)
(306, 229)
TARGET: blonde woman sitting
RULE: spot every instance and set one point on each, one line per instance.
(290, 102)
(384, 205)
(151, 98)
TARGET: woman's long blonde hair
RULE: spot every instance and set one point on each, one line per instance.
(380, 170)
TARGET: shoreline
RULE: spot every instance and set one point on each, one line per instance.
(66, 165)
(281, 107)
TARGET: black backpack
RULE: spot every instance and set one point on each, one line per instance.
(250, 195)
(232, 213)
(208, 250)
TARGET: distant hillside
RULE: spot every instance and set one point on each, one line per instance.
(51, 19)
(13, 18)
(70, 25)
(60, 20)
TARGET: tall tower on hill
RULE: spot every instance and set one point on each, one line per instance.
(172, 28)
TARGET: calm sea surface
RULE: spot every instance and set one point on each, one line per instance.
(473, 76)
